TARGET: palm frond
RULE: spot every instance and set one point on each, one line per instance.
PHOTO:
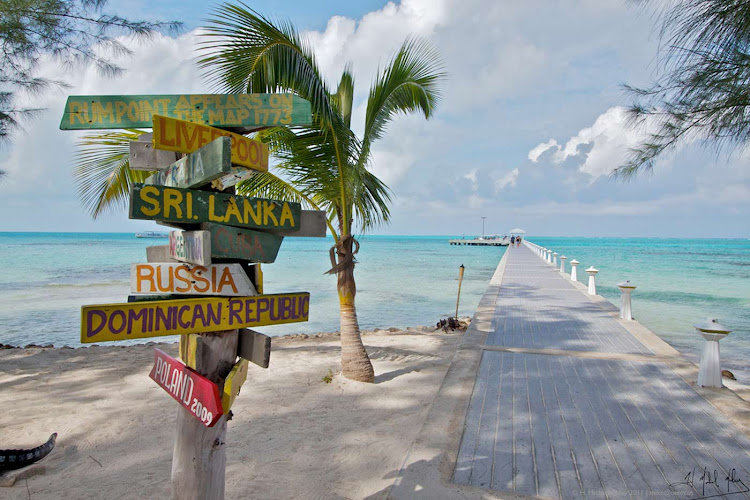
(246, 52)
(409, 83)
(102, 171)
(343, 99)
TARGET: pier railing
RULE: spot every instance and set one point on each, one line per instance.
(710, 364)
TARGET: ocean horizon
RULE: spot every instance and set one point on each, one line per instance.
(401, 281)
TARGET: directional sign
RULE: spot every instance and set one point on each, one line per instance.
(85, 112)
(235, 176)
(186, 206)
(312, 224)
(143, 156)
(195, 393)
(254, 347)
(193, 247)
(245, 244)
(158, 253)
(138, 320)
(228, 280)
(233, 383)
(197, 169)
(186, 137)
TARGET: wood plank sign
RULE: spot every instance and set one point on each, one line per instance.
(159, 253)
(87, 112)
(245, 244)
(186, 137)
(193, 247)
(233, 384)
(199, 168)
(138, 320)
(186, 206)
(228, 280)
(143, 156)
(235, 176)
(254, 347)
(195, 393)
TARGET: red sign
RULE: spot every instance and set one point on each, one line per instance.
(196, 393)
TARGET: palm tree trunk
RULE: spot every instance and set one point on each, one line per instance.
(355, 364)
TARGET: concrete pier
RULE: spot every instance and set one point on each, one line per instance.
(553, 395)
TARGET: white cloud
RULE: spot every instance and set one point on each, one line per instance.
(540, 149)
(471, 176)
(508, 179)
(609, 138)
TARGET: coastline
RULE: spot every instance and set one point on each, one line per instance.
(116, 426)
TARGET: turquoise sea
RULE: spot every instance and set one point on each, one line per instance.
(401, 280)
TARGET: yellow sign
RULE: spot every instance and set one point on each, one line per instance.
(137, 320)
(187, 137)
(233, 383)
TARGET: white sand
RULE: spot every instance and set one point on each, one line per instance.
(292, 436)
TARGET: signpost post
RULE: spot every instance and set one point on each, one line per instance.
(239, 231)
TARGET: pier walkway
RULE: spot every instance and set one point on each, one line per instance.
(552, 395)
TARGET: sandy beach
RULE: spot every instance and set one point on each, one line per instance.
(292, 436)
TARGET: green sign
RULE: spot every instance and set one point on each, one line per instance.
(191, 207)
(229, 242)
(86, 112)
(197, 169)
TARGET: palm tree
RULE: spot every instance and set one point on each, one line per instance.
(325, 165)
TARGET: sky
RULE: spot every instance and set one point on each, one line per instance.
(531, 122)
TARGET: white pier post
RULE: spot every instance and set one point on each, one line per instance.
(549, 256)
(709, 374)
(562, 263)
(573, 270)
(554, 258)
(626, 288)
(592, 279)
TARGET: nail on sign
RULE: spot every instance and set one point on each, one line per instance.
(195, 393)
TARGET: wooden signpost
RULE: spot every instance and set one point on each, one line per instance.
(195, 393)
(186, 137)
(86, 112)
(190, 207)
(181, 279)
(139, 320)
(199, 168)
(193, 247)
(221, 226)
